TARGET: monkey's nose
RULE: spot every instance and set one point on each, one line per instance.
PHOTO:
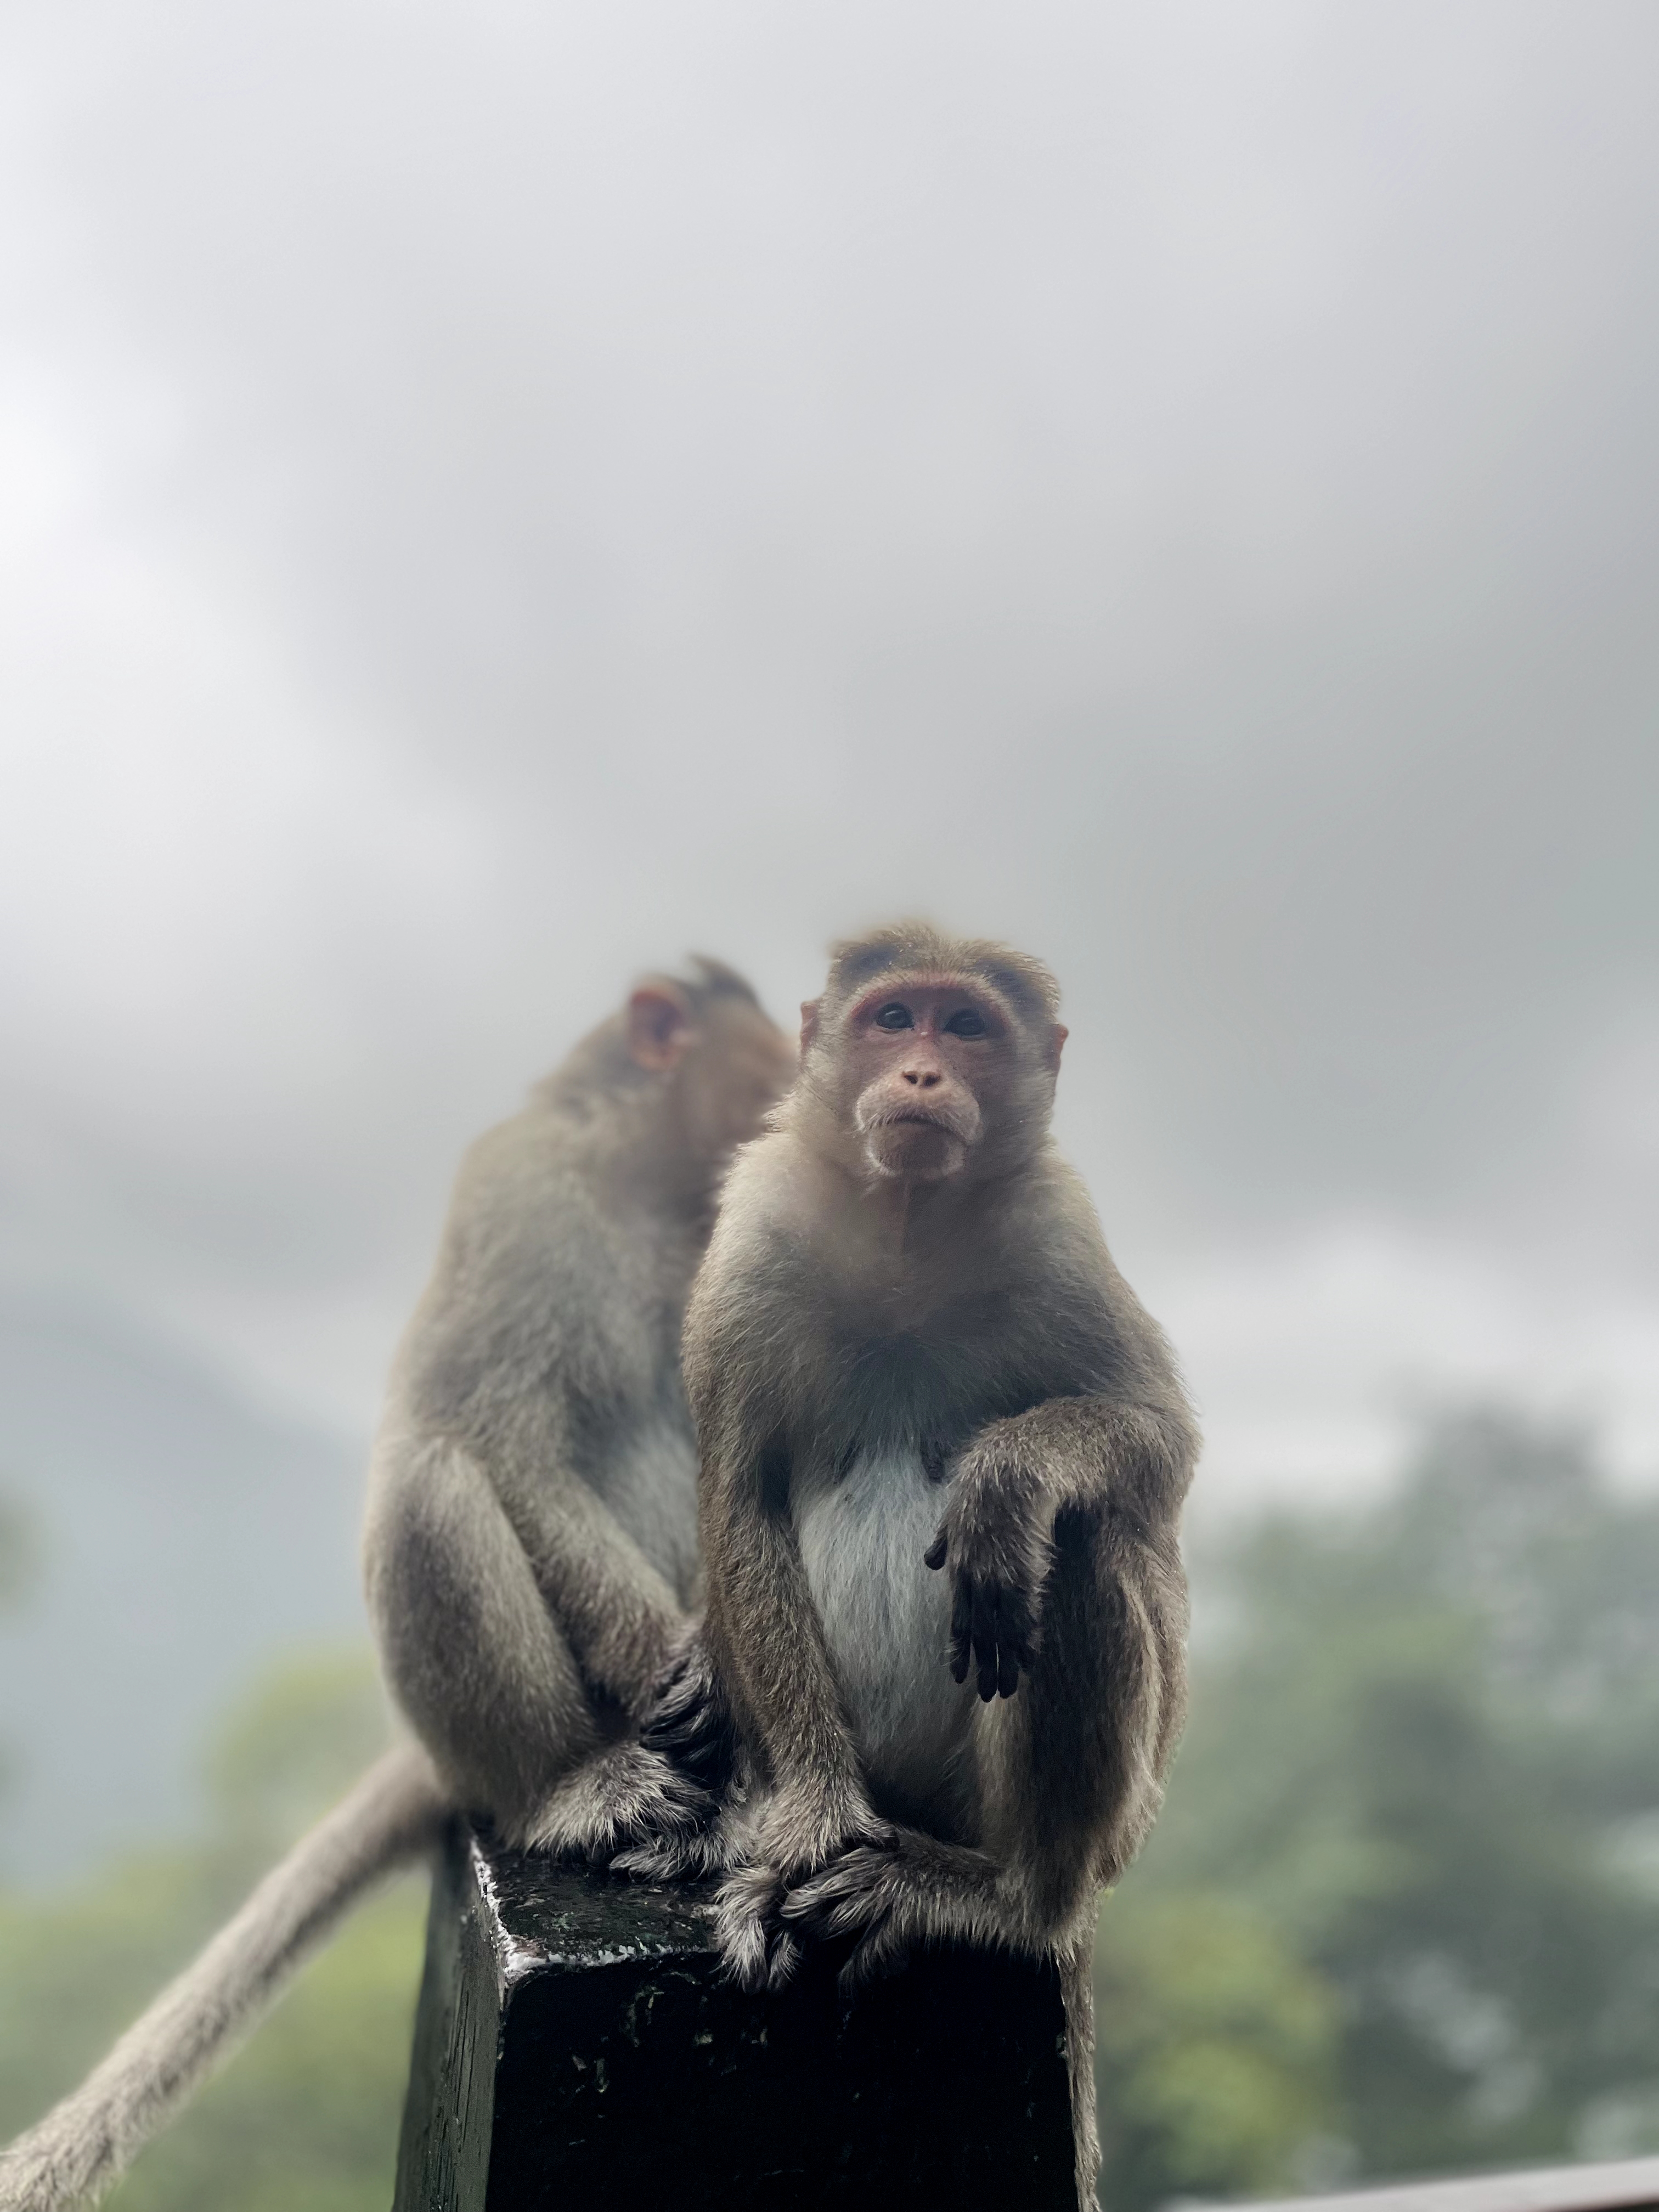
(923, 1078)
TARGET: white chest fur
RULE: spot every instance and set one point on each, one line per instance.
(886, 1619)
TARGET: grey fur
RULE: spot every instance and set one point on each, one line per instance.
(531, 1545)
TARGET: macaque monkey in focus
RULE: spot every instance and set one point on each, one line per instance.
(944, 1453)
(531, 1541)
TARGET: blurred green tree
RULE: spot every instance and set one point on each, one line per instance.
(1401, 1913)
(1424, 1767)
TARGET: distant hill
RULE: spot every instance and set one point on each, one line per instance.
(184, 1535)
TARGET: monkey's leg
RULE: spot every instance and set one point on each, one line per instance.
(1068, 1772)
(471, 1652)
(479, 1661)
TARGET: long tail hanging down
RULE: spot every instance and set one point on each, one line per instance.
(86, 2141)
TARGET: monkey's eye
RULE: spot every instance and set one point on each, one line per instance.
(894, 1017)
(966, 1022)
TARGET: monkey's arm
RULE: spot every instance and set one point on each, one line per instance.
(1093, 1450)
(1093, 1454)
(765, 1631)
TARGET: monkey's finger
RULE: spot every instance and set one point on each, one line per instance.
(985, 1639)
(698, 1744)
(785, 1957)
(840, 1900)
(650, 1862)
(1007, 1670)
(847, 1917)
(962, 1614)
(935, 1553)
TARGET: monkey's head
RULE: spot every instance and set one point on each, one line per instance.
(933, 1057)
(709, 1040)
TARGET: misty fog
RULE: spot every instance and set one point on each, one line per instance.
(498, 497)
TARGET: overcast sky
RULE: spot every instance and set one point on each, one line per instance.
(496, 496)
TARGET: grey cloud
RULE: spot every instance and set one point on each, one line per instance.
(1176, 485)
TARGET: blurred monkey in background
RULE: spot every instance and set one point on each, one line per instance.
(531, 1548)
(531, 1541)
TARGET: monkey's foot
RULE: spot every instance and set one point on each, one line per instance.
(757, 1952)
(623, 1795)
(707, 1850)
(891, 1900)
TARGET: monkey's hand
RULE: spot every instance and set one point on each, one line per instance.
(689, 1719)
(800, 1826)
(797, 1829)
(996, 1542)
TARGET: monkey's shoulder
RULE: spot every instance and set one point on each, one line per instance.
(540, 1287)
(543, 1190)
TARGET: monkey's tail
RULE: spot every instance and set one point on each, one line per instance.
(86, 2141)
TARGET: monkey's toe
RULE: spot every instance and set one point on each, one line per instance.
(847, 1899)
(785, 1956)
(747, 1930)
(626, 1796)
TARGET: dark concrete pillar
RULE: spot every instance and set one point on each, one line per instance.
(576, 2048)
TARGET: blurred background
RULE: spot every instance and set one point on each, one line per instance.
(493, 499)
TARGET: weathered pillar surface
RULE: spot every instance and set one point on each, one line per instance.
(575, 2047)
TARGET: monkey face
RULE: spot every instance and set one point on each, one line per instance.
(929, 1065)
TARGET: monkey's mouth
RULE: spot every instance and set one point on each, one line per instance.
(901, 1120)
(901, 1127)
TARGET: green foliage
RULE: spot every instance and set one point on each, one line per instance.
(307, 2115)
(1401, 1913)
(1419, 1766)
(1215, 2050)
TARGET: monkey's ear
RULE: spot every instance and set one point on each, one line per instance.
(658, 1026)
(1057, 1038)
(809, 1021)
